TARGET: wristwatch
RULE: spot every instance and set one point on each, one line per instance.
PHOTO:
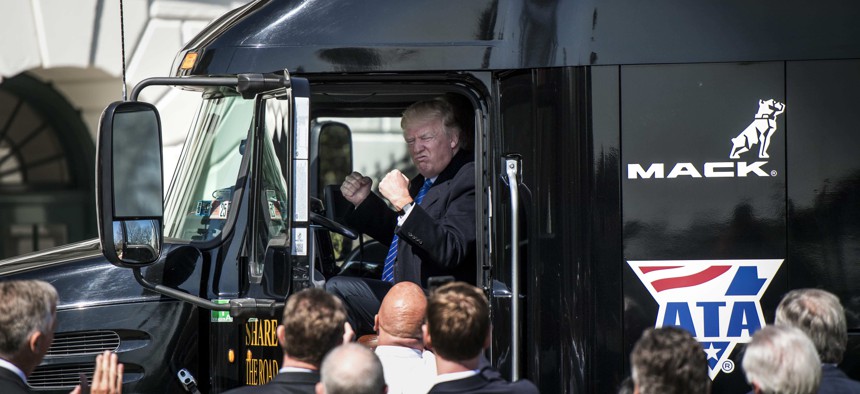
(406, 208)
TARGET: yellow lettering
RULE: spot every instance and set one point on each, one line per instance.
(260, 338)
(274, 337)
(250, 372)
(261, 333)
(260, 371)
(253, 332)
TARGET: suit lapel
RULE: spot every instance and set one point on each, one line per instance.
(433, 194)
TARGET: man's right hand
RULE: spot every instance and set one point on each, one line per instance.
(356, 188)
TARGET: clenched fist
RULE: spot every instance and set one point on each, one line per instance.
(395, 188)
(356, 187)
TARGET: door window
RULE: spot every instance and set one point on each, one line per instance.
(201, 196)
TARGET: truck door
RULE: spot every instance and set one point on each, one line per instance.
(240, 197)
(510, 234)
(278, 262)
(538, 207)
(266, 272)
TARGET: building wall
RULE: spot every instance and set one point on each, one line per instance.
(75, 46)
(71, 55)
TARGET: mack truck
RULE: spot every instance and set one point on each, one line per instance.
(637, 164)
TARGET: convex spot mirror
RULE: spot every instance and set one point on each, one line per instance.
(129, 184)
(335, 153)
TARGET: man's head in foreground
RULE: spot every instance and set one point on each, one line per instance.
(313, 323)
(351, 369)
(669, 360)
(782, 359)
(28, 318)
(820, 316)
(458, 322)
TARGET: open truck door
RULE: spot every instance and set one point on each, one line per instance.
(260, 220)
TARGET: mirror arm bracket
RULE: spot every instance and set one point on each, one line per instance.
(182, 81)
(246, 84)
(241, 307)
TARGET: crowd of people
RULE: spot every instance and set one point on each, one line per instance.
(797, 355)
(435, 344)
(425, 344)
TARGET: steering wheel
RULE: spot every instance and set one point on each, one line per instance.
(333, 226)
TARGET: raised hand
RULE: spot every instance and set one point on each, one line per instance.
(395, 188)
(107, 378)
(356, 187)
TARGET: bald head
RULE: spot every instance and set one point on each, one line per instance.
(351, 368)
(401, 313)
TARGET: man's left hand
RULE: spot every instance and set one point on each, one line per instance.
(107, 377)
(395, 188)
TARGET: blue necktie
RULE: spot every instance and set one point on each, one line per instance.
(388, 269)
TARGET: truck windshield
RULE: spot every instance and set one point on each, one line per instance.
(200, 196)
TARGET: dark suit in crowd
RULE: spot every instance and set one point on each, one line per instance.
(488, 381)
(10, 383)
(834, 381)
(285, 383)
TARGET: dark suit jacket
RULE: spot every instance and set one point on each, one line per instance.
(834, 381)
(284, 383)
(10, 383)
(438, 237)
(488, 381)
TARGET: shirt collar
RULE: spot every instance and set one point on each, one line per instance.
(401, 351)
(294, 369)
(447, 377)
(13, 368)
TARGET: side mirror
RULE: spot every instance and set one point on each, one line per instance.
(129, 187)
(334, 153)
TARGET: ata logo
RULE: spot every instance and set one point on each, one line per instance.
(760, 131)
(715, 300)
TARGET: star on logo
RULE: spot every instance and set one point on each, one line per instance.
(712, 352)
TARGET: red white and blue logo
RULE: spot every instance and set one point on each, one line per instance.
(715, 300)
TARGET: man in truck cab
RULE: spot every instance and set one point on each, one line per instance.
(430, 223)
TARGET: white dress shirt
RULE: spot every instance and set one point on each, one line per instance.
(407, 210)
(407, 371)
